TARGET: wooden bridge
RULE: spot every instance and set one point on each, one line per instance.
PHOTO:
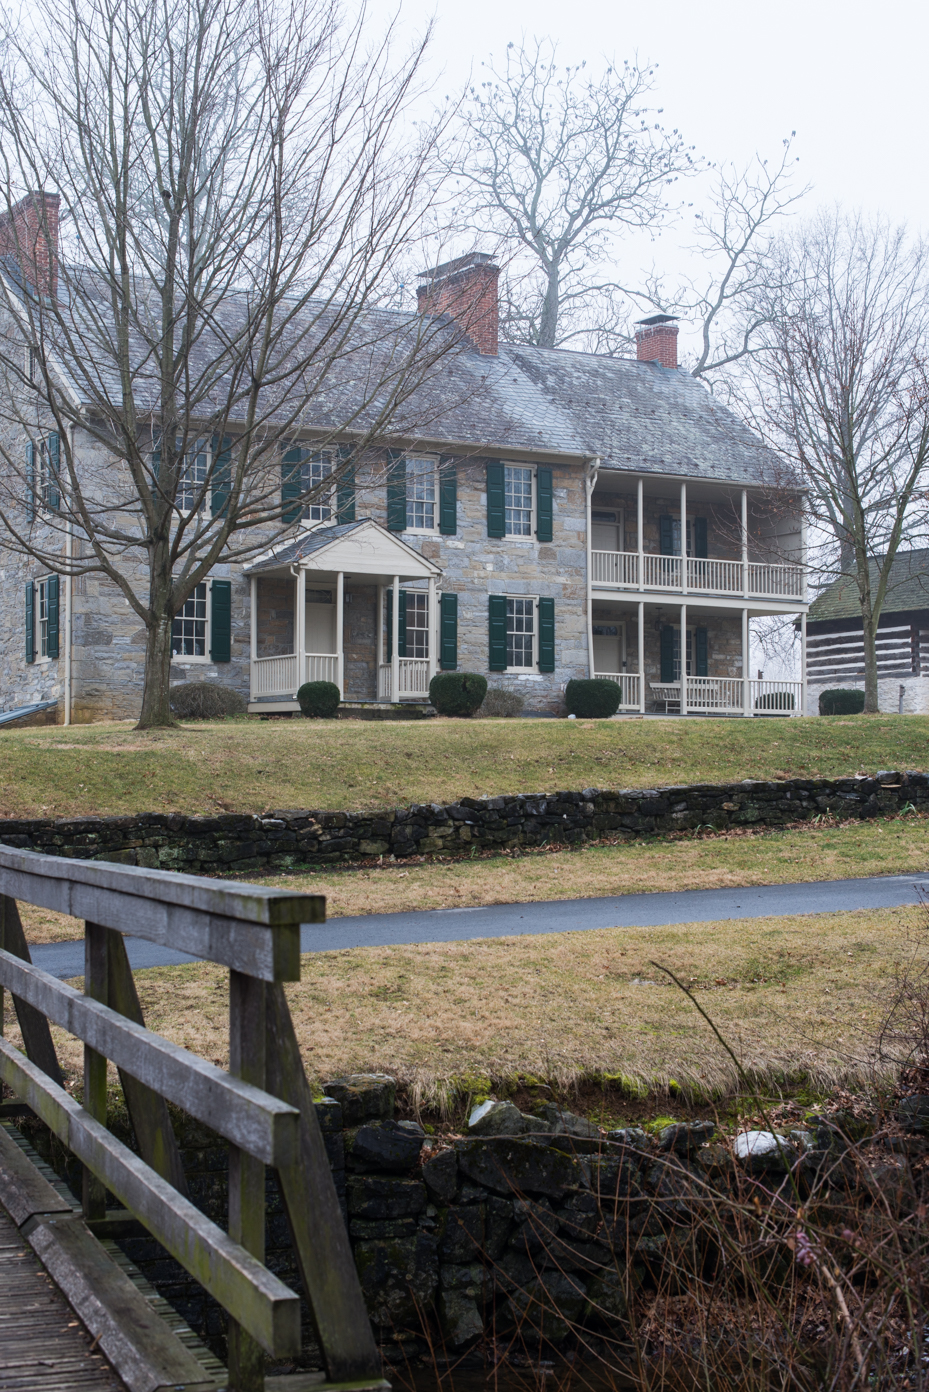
(71, 1315)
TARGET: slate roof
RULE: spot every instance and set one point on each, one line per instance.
(908, 588)
(304, 545)
(633, 415)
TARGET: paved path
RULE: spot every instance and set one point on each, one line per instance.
(554, 916)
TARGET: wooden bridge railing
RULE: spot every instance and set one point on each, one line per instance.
(262, 1106)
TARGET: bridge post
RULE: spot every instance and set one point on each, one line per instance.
(93, 1193)
(247, 1060)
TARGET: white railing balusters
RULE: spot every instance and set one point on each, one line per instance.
(414, 680)
(628, 683)
(621, 570)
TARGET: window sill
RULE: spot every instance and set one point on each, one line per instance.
(190, 661)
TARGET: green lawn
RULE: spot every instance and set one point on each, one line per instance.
(251, 765)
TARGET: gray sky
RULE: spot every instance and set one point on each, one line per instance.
(849, 77)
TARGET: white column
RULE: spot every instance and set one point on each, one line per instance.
(253, 634)
(803, 594)
(745, 542)
(803, 663)
(433, 628)
(340, 629)
(395, 641)
(301, 627)
(684, 538)
(746, 670)
(641, 648)
(640, 529)
(683, 649)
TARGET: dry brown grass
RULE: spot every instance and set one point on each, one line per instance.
(711, 862)
(796, 995)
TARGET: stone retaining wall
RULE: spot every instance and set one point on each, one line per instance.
(241, 843)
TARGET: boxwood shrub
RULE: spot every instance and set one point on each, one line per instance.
(319, 700)
(841, 701)
(204, 701)
(457, 693)
(593, 698)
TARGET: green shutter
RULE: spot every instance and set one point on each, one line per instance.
(448, 497)
(396, 491)
(30, 484)
(30, 621)
(53, 496)
(389, 623)
(544, 506)
(496, 499)
(221, 621)
(496, 611)
(666, 533)
(401, 625)
(221, 481)
(546, 635)
(345, 490)
(700, 550)
(667, 653)
(448, 632)
(51, 596)
(701, 653)
(291, 486)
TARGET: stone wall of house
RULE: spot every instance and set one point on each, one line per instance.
(276, 628)
(359, 637)
(240, 844)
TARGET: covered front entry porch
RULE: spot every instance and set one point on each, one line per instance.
(686, 659)
(349, 604)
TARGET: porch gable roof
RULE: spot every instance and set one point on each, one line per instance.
(356, 548)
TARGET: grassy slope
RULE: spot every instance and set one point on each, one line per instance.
(256, 766)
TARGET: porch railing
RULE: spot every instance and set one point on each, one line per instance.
(776, 697)
(726, 696)
(280, 676)
(322, 667)
(714, 694)
(620, 569)
(413, 680)
(628, 683)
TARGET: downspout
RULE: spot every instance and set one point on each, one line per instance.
(69, 604)
(591, 483)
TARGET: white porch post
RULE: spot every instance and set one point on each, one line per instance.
(640, 527)
(641, 648)
(746, 672)
(745, 542)
(395, 641)
(803, 663)
(340, 630)
(683, 539)
(683, 651)
(301, 628)
(433, 628)
(253, 634)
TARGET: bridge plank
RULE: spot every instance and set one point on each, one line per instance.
(261, 1124)
(268, 1309)
(26, 1193)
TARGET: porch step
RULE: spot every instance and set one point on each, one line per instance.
(386, 710)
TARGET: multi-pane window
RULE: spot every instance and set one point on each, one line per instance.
(420, 494)
(42, 613)
(188, 631)
(417, 624)
(677, 653)
(194, 471)
(314, 470)
(520, 632)
(518, 501)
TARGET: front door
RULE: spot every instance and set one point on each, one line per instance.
(609, 647)
(606, 531)
(320, 628)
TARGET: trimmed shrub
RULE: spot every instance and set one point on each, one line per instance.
(841, 701)
(592, 698)
(499, 703)
(775, 700)
(205, 701)
(457, 693)
(319, 700)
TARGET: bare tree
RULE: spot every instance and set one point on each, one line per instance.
(841, 391)
(554, 162)
(236, 183)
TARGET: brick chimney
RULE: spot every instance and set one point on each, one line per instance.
(29, 232)
(467, 290)
(656, 340)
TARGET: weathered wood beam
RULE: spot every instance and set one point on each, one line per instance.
(252, 1295)
(261, 1124)
(247, 1057)
(95, 986)
(37, 1036)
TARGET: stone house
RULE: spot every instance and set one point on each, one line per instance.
(552, 515)
(835, 641)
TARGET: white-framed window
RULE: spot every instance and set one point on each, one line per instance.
(194, 473)
(41, 613)
(314, 470)
(421, 493)
(417, 624)
(689, 650)
(517, 485)
(521, 633)
(190, 629)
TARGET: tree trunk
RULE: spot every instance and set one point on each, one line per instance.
(548, 321)
(156, 708)
(869, 628)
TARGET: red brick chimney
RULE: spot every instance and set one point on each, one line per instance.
(29, 232)
(467, 290)
(656, 340)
